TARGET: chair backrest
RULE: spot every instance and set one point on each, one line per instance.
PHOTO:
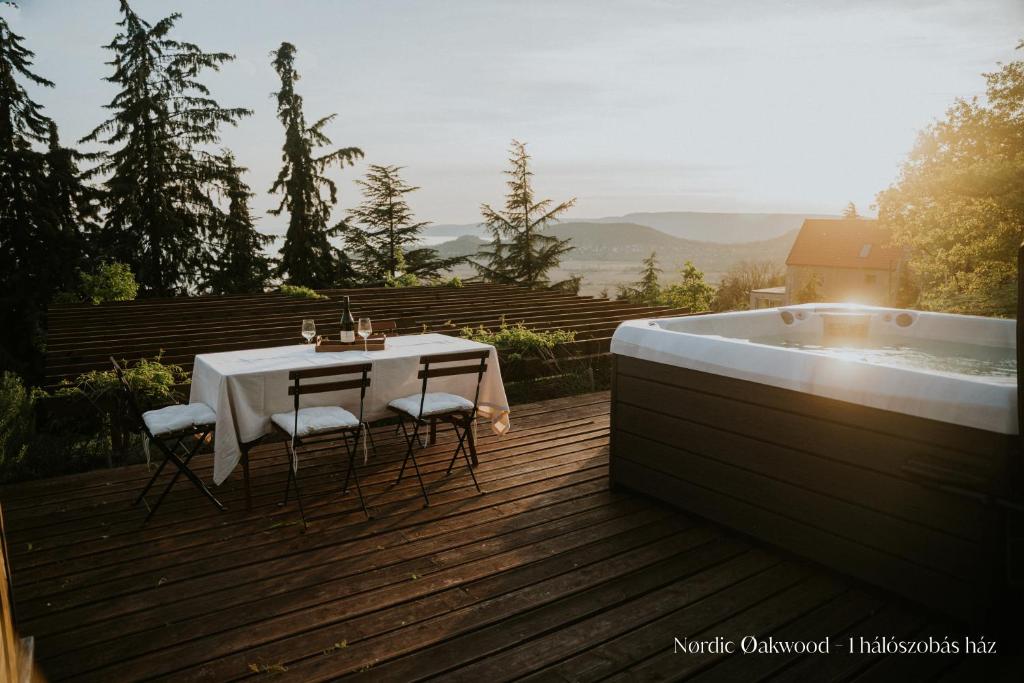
(436, 365)
(298, 389)
(129, 399)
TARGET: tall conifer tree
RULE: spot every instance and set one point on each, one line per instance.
(520, 253)
(241, 265)
(384, 233)
(72, 212)
(34, 262)
(161, 182)
(307, 257)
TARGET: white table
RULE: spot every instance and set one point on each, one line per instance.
(246, 387)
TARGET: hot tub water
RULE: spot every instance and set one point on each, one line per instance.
(997, 364)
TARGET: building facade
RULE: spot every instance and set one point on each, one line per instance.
(843, 261)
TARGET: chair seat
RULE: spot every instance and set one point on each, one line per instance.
(315, 420)
(179, 417)
(435, 403)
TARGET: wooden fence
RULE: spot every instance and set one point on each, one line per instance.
(82, 337)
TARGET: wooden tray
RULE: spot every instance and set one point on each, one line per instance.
(374, 343)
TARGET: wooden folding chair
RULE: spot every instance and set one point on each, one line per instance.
(173, 423)
(325, 420)
(426, 408)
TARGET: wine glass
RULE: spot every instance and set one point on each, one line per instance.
(364, 330)
(308, 329)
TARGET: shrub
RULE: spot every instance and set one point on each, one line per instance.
(111, 282)
(299, 292)
(152, 381)
(17, 423)
(455, 282)
(518, 341)
(403, 280)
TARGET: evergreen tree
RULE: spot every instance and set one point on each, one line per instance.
(646, 290)
(520, 253)
(241, 265)
(28, 272)
(850, 211)
(307, 257)
(161, 184)
(384, 234)
(73, 210)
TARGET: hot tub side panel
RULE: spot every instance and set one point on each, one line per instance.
(903, 502)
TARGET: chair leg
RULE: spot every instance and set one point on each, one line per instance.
(463, 433)
(149, 484)
(298, 497)
(354, 468)
(183, 468)
(469, 466)
(163, 495)
(369, 435)
(293, 478)
(472, 441)
(410, 455)
(194, 478)
(460, 446)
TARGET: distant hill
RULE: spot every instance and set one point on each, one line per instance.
(723, 228)
(467, 245)
(628, 242)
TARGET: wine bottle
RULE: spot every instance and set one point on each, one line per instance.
(348, 324)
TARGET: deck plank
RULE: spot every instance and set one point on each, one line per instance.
(547, 575)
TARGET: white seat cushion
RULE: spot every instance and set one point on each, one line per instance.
(176, 418)
(435, 403)
(315, 420)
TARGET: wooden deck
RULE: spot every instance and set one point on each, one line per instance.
(547, 575)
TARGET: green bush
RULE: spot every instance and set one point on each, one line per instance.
(518, 341)
(111, 282)
(152, 381)
(403, 280)
(299, 292)
(17, 424)
(455, 282)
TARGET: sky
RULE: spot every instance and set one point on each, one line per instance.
(646, 105)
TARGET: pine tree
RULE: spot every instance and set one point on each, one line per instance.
(241, 264)
(520, 253)
(647, 289)
(384, 234)
(28, 272)
(307, 257)
(161, 205)
(73, 212)
(850, 211)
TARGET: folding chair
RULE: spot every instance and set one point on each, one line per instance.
(321, 421)
(428, 407)
(174, 424)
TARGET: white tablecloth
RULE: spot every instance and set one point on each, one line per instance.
(246, 387)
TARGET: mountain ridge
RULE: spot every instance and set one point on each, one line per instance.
(700, 226)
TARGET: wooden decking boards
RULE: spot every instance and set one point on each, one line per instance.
(547, 576)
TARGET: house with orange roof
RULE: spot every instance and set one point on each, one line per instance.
(842, 260)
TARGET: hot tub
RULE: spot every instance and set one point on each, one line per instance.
(879, 441)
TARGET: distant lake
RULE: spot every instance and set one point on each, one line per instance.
(425, 240)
